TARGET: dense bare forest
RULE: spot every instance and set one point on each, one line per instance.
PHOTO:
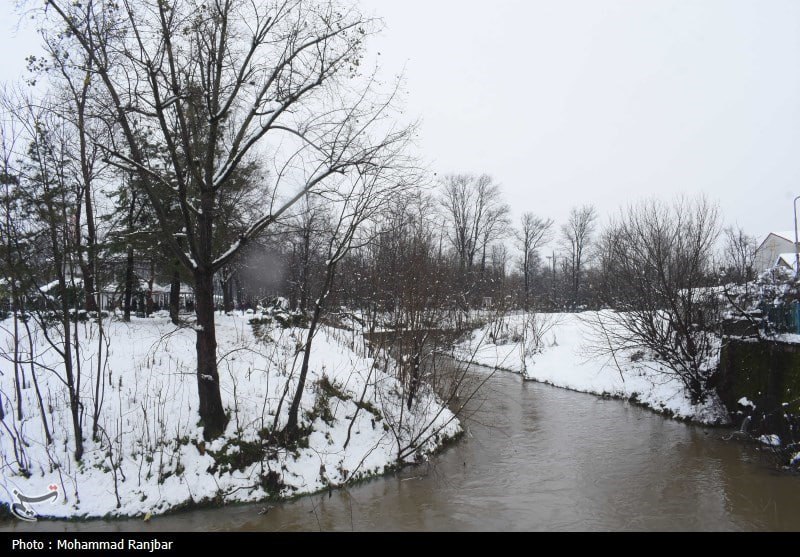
(221, 257)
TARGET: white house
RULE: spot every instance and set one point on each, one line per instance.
(778, 248)
(787, 260)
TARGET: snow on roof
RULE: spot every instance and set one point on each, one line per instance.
(51, 285)
(143, 286)
(787, 260)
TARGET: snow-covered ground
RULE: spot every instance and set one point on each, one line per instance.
(149, 456)
(564, 357)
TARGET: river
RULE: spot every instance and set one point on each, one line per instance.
(538, 458)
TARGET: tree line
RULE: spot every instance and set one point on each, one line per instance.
(242, 149)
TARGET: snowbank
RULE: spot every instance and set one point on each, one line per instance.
(563, 357)
(149, 456)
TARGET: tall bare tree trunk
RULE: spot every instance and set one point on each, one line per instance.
(149, 296)
(226, 281)
(291, 429)
(128, 285)
(175, 296)
(304, 268)
(89, 266)
(129, 262)
(42, 411)
(211, 411)
(17, 366)
(238, 290)
(69, 370)
(526, 271)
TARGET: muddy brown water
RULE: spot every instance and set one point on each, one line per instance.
(537, 458)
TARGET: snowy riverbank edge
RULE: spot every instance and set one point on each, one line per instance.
(150, 457)
(565, 359)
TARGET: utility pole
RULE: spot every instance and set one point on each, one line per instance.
(796, 241)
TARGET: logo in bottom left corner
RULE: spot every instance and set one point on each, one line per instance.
(23, 507)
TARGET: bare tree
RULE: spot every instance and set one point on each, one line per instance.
(78, 107)
(660, 266)
(402, 279)
(739, 255)
(12, 260)
(215, 82)
(357, 203)
(48, 199)
(476, 215)
(533, 233)
(407, 281)
(307, 242)
(576, 236)
(499, 260)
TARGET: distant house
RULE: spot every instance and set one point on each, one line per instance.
(111, 296)
(778, 248)
(787, 260)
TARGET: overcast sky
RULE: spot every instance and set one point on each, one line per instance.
(568, 102)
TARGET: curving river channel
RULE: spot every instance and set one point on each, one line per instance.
(539, 458)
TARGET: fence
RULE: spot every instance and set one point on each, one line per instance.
(785, 318)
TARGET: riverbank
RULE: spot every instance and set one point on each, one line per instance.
(534, 458)
(560, 350)
(149, 456)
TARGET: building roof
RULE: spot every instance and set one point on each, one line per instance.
(143, 286)
(71, 281)
(785, 234)
(787, 260)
